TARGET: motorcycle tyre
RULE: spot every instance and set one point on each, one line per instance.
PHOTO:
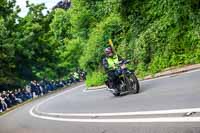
(134, 78)
(116, 94)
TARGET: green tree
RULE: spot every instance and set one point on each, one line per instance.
(8, 17)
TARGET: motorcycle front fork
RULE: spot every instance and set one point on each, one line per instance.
(122, 85)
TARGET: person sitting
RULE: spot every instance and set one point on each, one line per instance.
(111, 63)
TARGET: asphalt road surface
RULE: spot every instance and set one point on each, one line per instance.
(164, 105)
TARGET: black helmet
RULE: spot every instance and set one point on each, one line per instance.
(108, 51)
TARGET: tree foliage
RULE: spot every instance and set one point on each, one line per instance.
(153, 34)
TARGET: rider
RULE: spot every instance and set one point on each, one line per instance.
(111, 63)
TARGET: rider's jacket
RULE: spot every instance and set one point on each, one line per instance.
(111, 63)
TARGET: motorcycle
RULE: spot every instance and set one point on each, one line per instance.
(127, 81)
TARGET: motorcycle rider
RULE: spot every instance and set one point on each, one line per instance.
(111, 63)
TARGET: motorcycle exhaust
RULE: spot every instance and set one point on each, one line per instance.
(111, 90)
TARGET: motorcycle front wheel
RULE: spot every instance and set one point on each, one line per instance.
(134, 84)
(117, 93)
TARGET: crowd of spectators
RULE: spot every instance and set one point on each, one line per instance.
(11, 98)
(35, 89)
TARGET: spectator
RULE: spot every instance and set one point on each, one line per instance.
(38, 89)
(12, 98)
(7, 100)
(26, 94)
(17, 97)
(76, 76)
(3, 105)
(43, 87)
(33, 88)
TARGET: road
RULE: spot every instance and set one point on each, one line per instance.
(160, 107)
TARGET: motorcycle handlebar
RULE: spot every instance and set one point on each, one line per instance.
(124, 62)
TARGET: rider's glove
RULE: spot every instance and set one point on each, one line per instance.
(118, 72)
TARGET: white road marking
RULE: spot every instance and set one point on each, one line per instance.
(168, 76)
(48, 99)
(133, 120)
(130, 120)
(147, 80)
(87, 90)
(157, 112)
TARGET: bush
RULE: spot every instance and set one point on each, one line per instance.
(96, 78)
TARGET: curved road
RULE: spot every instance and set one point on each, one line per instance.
(164, 105)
